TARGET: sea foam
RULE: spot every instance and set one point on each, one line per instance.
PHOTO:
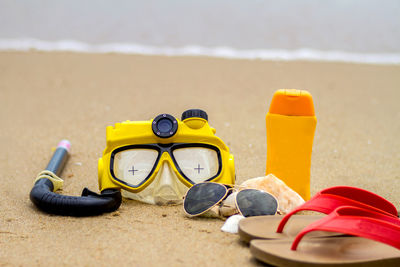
(195, 50)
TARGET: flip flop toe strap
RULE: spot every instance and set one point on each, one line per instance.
(357, 222)
(329, 199)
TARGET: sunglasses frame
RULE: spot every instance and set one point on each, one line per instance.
(229, 189)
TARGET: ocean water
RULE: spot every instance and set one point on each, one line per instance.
(366, 31)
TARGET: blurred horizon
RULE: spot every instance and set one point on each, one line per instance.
(352, 26)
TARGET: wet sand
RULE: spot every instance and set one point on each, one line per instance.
(45, 97)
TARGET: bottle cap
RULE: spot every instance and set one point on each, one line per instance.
(292, 102)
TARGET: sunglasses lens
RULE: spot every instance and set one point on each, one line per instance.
(203, 196)
(253, 202)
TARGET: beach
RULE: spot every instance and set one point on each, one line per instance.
(49, 96)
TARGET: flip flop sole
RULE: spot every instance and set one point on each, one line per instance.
(264, 227)
(329, 251)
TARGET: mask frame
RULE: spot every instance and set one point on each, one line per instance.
(162, 149)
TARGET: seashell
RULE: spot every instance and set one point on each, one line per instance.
(228, 206)
(231, 225)
(288, 199)
(212, 213)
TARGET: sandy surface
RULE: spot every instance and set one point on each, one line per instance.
(45, 97)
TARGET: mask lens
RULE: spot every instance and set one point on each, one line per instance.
(133, 166)
(203, 196)
(197, 163)
(252, 202)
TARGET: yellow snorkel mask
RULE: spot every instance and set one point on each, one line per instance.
(156, 161)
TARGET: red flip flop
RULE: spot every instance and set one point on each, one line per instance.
(377, 242)
(325, 201)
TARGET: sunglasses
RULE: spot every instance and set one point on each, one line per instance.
(203, 197)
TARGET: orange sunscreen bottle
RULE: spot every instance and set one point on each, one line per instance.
(291, 125)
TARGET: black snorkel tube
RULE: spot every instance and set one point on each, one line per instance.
(88, 204)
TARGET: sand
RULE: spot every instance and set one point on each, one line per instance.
(45, 97)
